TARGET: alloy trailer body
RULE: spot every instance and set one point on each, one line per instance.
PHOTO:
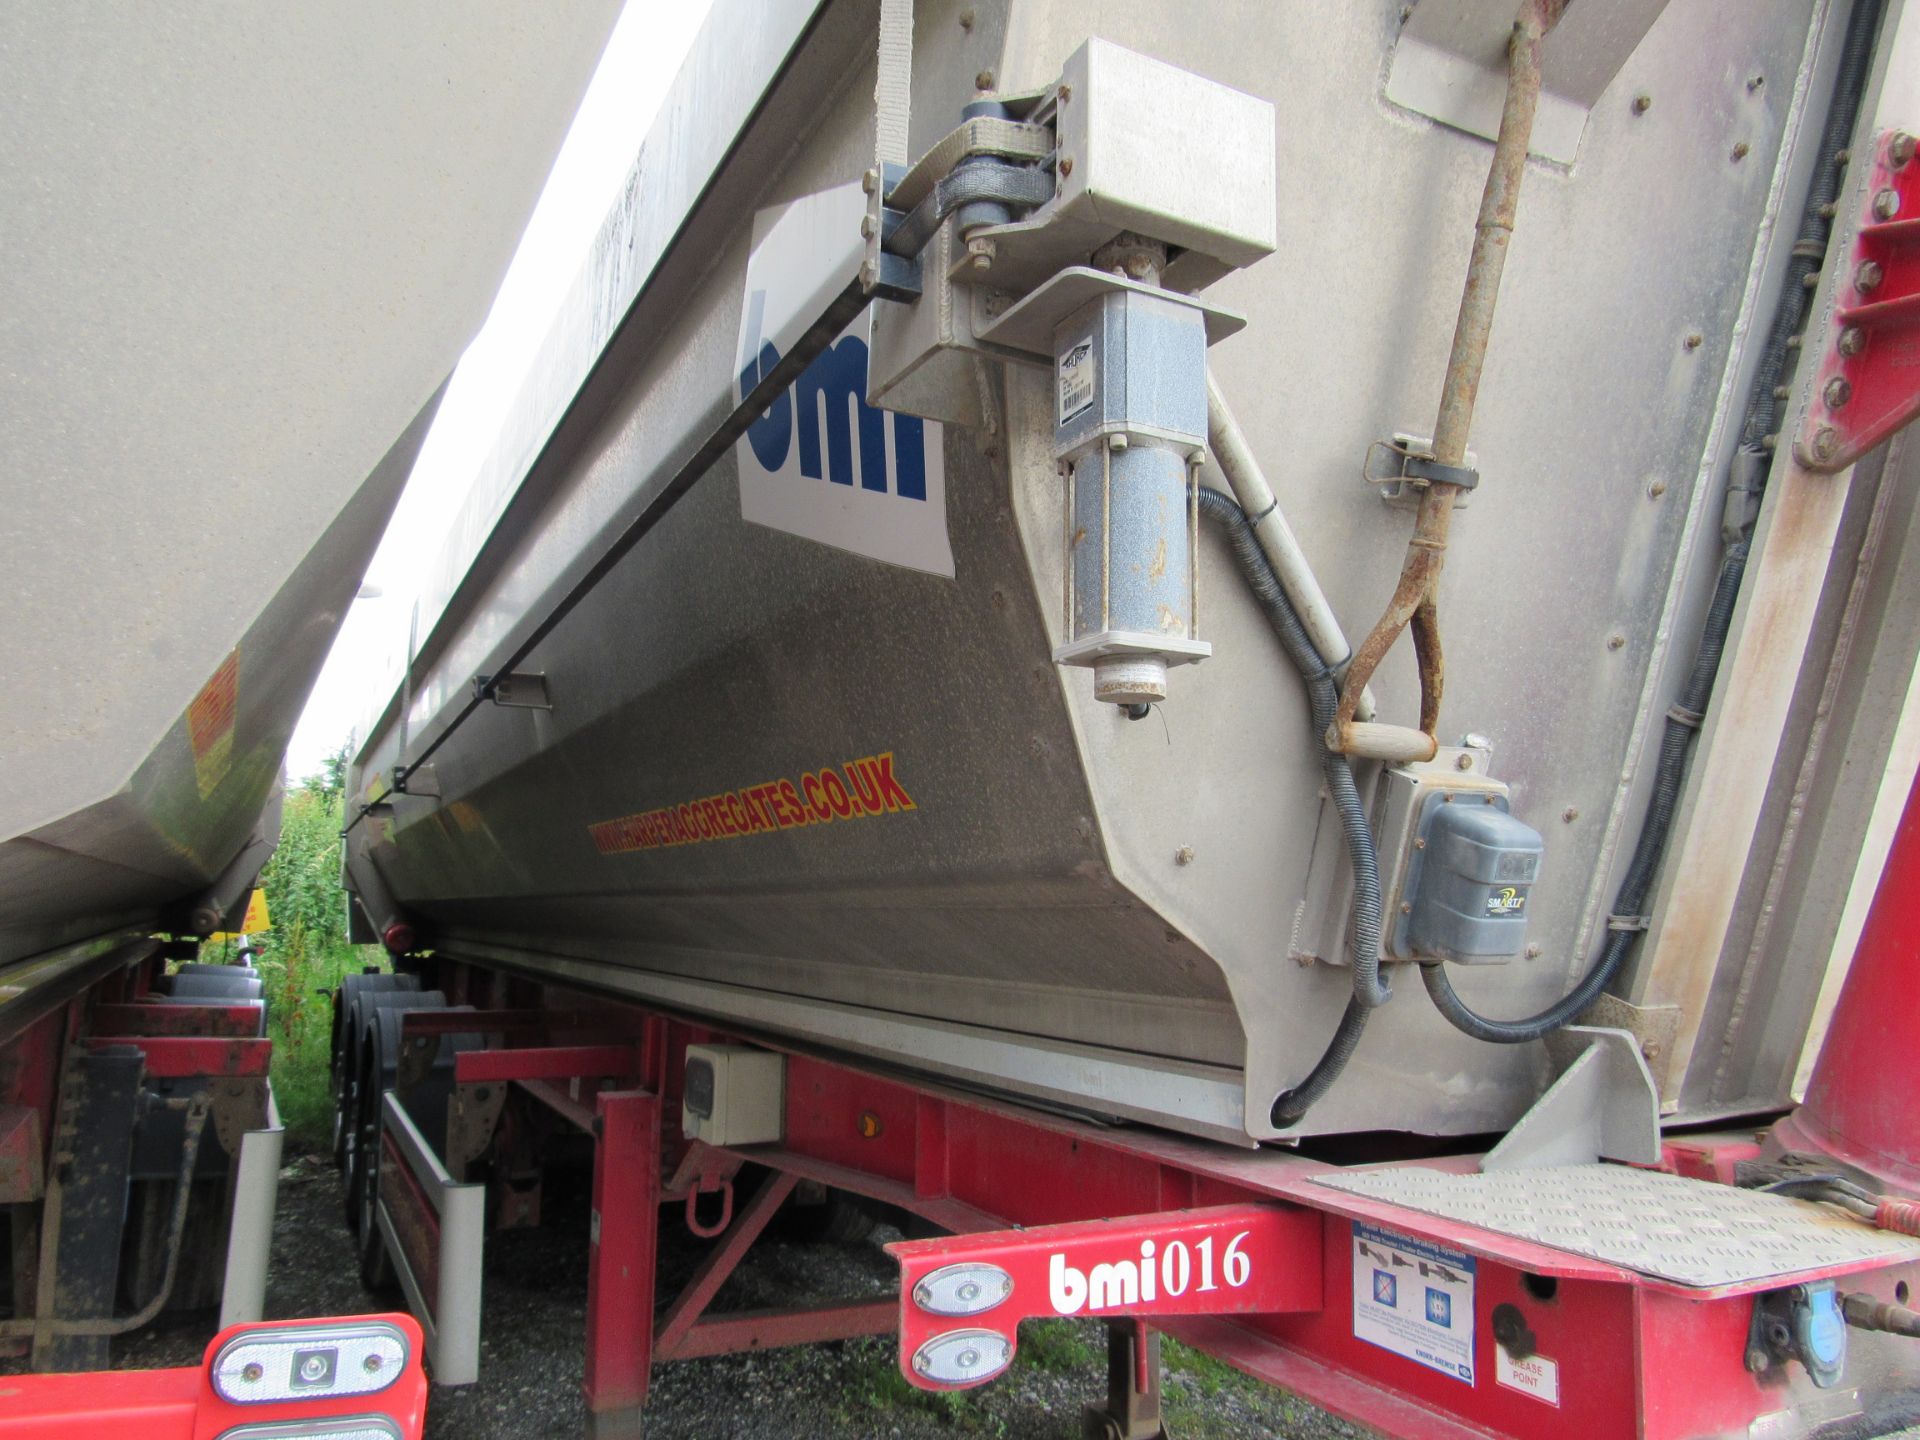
(766, 726)
(246, 249)
(743, 802)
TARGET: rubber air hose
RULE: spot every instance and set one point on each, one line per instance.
(1369, 989)
(1629, 905)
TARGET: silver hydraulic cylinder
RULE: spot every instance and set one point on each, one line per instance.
(1130, 427)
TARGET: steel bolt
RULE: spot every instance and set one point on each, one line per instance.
(1826, 443)
(1463, 762)
(1406, 907)
(1642, 104)
(870, 182)
(1616, 641)
(1066, 93)
(984, 80)
(1900, 149)
(1570, 814)
(372, 1364)
(1651, 1049)
(1419, 842)
(251, 1372)
(966, 19)
(1184, 855)
(1741, 150)
(866, 227)
(1838, 392)
(1694, 340)
(1656, 488)
(1886, 204)
(1533, 952)
(1867, 276)
(1852, 340)
(1066, 166)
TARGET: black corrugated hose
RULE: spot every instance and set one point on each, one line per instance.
(1369, 990)
(1625, 925)
(1683, 721)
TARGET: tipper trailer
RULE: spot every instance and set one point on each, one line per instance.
(902, 713)
(1527, 1062)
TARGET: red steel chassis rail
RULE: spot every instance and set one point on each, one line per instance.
(1262, 1254)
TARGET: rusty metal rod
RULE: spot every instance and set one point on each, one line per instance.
(38, 1326)
(1413, 599)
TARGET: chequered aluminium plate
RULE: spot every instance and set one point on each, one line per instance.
(1692, 1232)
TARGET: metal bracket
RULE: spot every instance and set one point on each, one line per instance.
(1654, 1026)
(1402, 466)
(472, 1116)
(1866, 385)
(239, 1105)
(1603, 1107)
(521, 690)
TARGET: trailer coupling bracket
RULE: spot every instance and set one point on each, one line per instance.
(962, 1297)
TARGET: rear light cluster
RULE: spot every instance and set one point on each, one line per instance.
(353, 1427)
(963, 1357)
(318, 1362)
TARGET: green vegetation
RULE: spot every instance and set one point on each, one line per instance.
(306, 952)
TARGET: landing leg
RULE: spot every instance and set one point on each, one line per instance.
(620, 1280)
(1132, 1411)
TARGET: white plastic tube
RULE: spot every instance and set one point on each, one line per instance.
(1237, 462)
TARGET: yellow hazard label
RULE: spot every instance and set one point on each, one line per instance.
(255, 920)
(862, 789)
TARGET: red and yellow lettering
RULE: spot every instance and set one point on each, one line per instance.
(791, 796)
(892, 793)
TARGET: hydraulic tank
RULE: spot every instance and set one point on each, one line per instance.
(812, 752)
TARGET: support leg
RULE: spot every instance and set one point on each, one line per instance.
(620, 1278)
(86, 1205)
(1132, 1411)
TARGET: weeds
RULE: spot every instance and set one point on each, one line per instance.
(306, 953)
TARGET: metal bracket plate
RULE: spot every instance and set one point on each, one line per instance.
(1028, 326)
(1603, 1107)
(1867, 384)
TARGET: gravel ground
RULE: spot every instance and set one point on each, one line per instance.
(535, 1309)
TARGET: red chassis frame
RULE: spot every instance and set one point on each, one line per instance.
(1632, 1356)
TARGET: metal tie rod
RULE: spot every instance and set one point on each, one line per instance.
(835, 318)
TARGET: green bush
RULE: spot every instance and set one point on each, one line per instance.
(305, 954)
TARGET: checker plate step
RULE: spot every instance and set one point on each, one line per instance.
(1692, 1232)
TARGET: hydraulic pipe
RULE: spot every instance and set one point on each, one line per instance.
(1414, 598)
(1241, 468)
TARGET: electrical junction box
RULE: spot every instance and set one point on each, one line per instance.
(1473, 866)
(1450, 852)
(735, 1095)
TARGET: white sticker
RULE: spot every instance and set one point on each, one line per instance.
(821, 462)
(1076, 379)
(1415, 1299)
(1536, 1375)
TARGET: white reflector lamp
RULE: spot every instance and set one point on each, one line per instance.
(346, 1427)
(963, 1357)
(308, 1363)
(966, 1289)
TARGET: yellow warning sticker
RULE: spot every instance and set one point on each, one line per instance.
(862, 789)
